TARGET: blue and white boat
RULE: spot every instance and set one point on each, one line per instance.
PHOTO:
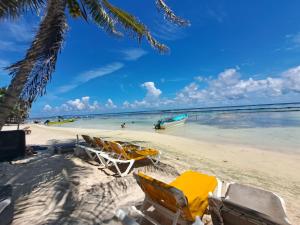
(172, 121)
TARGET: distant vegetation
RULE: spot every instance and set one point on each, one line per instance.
(19, 113)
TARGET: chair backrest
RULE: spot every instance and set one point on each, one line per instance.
(89, 141)
(12, 144)
(163, 194)
(117, 148)
(256, 206)
(102, 144)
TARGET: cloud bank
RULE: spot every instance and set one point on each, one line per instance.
(226, 88)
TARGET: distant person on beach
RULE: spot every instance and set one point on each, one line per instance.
(46, 122)
(123, 125)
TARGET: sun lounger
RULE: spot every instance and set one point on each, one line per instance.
(112, 153)
(182, 201)
(130, 157)
(245, 205)
(91, 152)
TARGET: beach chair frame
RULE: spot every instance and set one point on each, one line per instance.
(107, 159)
(173, 216)
(219, 204)
(181, 202)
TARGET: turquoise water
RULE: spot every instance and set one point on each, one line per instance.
(269, 127)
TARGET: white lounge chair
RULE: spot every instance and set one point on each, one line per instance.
(112, 153)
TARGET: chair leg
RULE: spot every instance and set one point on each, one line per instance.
(89, 154)
(176, 217)
(102, 160)
(156, 160)
(126, 171)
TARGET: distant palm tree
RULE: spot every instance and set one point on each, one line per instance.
(31, 74)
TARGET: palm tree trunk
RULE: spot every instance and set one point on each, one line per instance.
(12, 95)
(43, 49)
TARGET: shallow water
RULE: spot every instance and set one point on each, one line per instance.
(269, 129)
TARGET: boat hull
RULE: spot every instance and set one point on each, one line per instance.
(60, 122)
(173, 123)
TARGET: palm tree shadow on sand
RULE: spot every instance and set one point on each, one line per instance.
(51, 189)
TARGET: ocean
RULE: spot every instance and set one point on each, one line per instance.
(274, 127)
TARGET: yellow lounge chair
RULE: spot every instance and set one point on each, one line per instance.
(182, 201)
(127, 156)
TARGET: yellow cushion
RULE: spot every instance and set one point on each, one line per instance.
(195, 187)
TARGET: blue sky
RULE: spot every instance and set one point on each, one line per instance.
(234, 52)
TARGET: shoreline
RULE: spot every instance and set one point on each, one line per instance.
(271, 170)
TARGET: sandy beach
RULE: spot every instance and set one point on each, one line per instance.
(64, 189)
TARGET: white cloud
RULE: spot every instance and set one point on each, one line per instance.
(151, 99)
(126, 104)
(152, 91)
(16, 35)
(89, 75)
(3, 63)
(99, 72)
(47, 108)
(293, 42)
(21, 31)
(110, 104)
(291, 79)
(133, 54)
(74, 105)
(168, 31)
(228, 86)
(11, 46)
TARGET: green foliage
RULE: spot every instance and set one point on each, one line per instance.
(19, 112)
(14, 8)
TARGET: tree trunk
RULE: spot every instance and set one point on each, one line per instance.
(11, 97)
(43, 48)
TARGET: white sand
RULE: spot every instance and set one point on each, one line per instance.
(64, 189)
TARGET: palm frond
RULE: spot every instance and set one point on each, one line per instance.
(131, 24)
(74, 8)
(14, 8)
(39, 62)
(170, 15)
(100, 16)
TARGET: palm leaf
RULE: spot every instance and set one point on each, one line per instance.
(39, 62)
(76, 9)
(170, 15)
(100, 16)
(14, 8)
(131, 24)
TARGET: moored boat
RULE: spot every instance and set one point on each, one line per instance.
(172, 121)
(59, 121)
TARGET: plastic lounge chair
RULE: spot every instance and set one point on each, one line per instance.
(91, 152)
(245, 205)
(112, 153)
(126, 145)
(127, 156)
(183, 201)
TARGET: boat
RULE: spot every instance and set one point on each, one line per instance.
(59, 121)
(172, 121)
